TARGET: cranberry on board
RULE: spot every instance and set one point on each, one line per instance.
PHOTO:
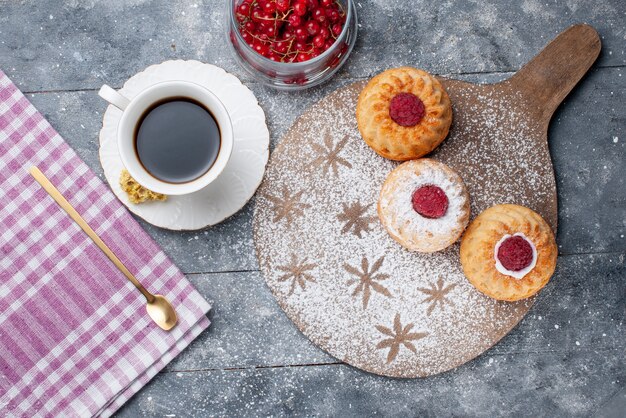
(290, 30)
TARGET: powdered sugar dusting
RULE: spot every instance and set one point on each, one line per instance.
(506, 164)
(396, 201)
(362, 297)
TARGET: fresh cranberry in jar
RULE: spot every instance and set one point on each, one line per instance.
(312, 27)
(300, 8)
(301, 34)
(283, 5)
(294, 20)
(308, 27)
(319, 14)
(319, 41)
(269, 7)
(333, 15)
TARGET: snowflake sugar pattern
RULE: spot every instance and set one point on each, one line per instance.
(287, 206)
(437, 295)
(367, 279)
(397, 337)
(328, 155)
(355, 219)
(297, 272)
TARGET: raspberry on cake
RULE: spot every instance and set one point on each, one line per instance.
(406, 109)
(515, 255)
(424, 205)
(404, 113)
(430, 201)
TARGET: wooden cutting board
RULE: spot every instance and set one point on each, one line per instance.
(344, 282)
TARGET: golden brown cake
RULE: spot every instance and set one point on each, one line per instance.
(404, 113)
(424, 205)
(508, 252)
(136, 192)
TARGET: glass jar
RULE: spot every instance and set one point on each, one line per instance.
(295, 75)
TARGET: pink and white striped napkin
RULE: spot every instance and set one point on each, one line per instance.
(75, 339)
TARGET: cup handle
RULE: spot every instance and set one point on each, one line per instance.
(113, 97)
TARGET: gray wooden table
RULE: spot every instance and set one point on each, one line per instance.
(566, 358)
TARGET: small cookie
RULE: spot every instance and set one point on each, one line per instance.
(508, 252)
(136, 192)
(424, 205)
(404, 113)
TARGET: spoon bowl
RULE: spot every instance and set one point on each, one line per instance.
(162, 312)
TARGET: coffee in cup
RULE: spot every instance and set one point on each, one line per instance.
(177, 140)
(174, 137)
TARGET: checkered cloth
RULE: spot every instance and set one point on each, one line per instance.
(75, 338)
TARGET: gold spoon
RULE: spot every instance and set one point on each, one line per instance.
(159, 309)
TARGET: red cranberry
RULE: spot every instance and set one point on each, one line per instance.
(270, 31)
(273, 56)
(326, 3)
(294, 20)
(261, 49)
(312, 4)
(515, 253)
(430, 201)
(300, 8)
(328, 43)
(269, 7)
(281, 47)
(319, 41)
(250, 26)
(247, 38)
(312, 27)
(337, 28)
(244, 9)
(283, 5)
(333, 15)
(319, 14)
(324, 32)
(257, 15)
(303, 56)
(301, 34)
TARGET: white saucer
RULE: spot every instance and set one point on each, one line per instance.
(241, 177)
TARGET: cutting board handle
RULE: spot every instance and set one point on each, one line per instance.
(553, 73)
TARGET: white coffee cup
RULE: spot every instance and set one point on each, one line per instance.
(135, 108)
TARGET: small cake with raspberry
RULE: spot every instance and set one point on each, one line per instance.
(404, 113)
(424, 205)
(508, 252)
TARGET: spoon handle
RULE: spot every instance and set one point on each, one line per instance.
(67, 207)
